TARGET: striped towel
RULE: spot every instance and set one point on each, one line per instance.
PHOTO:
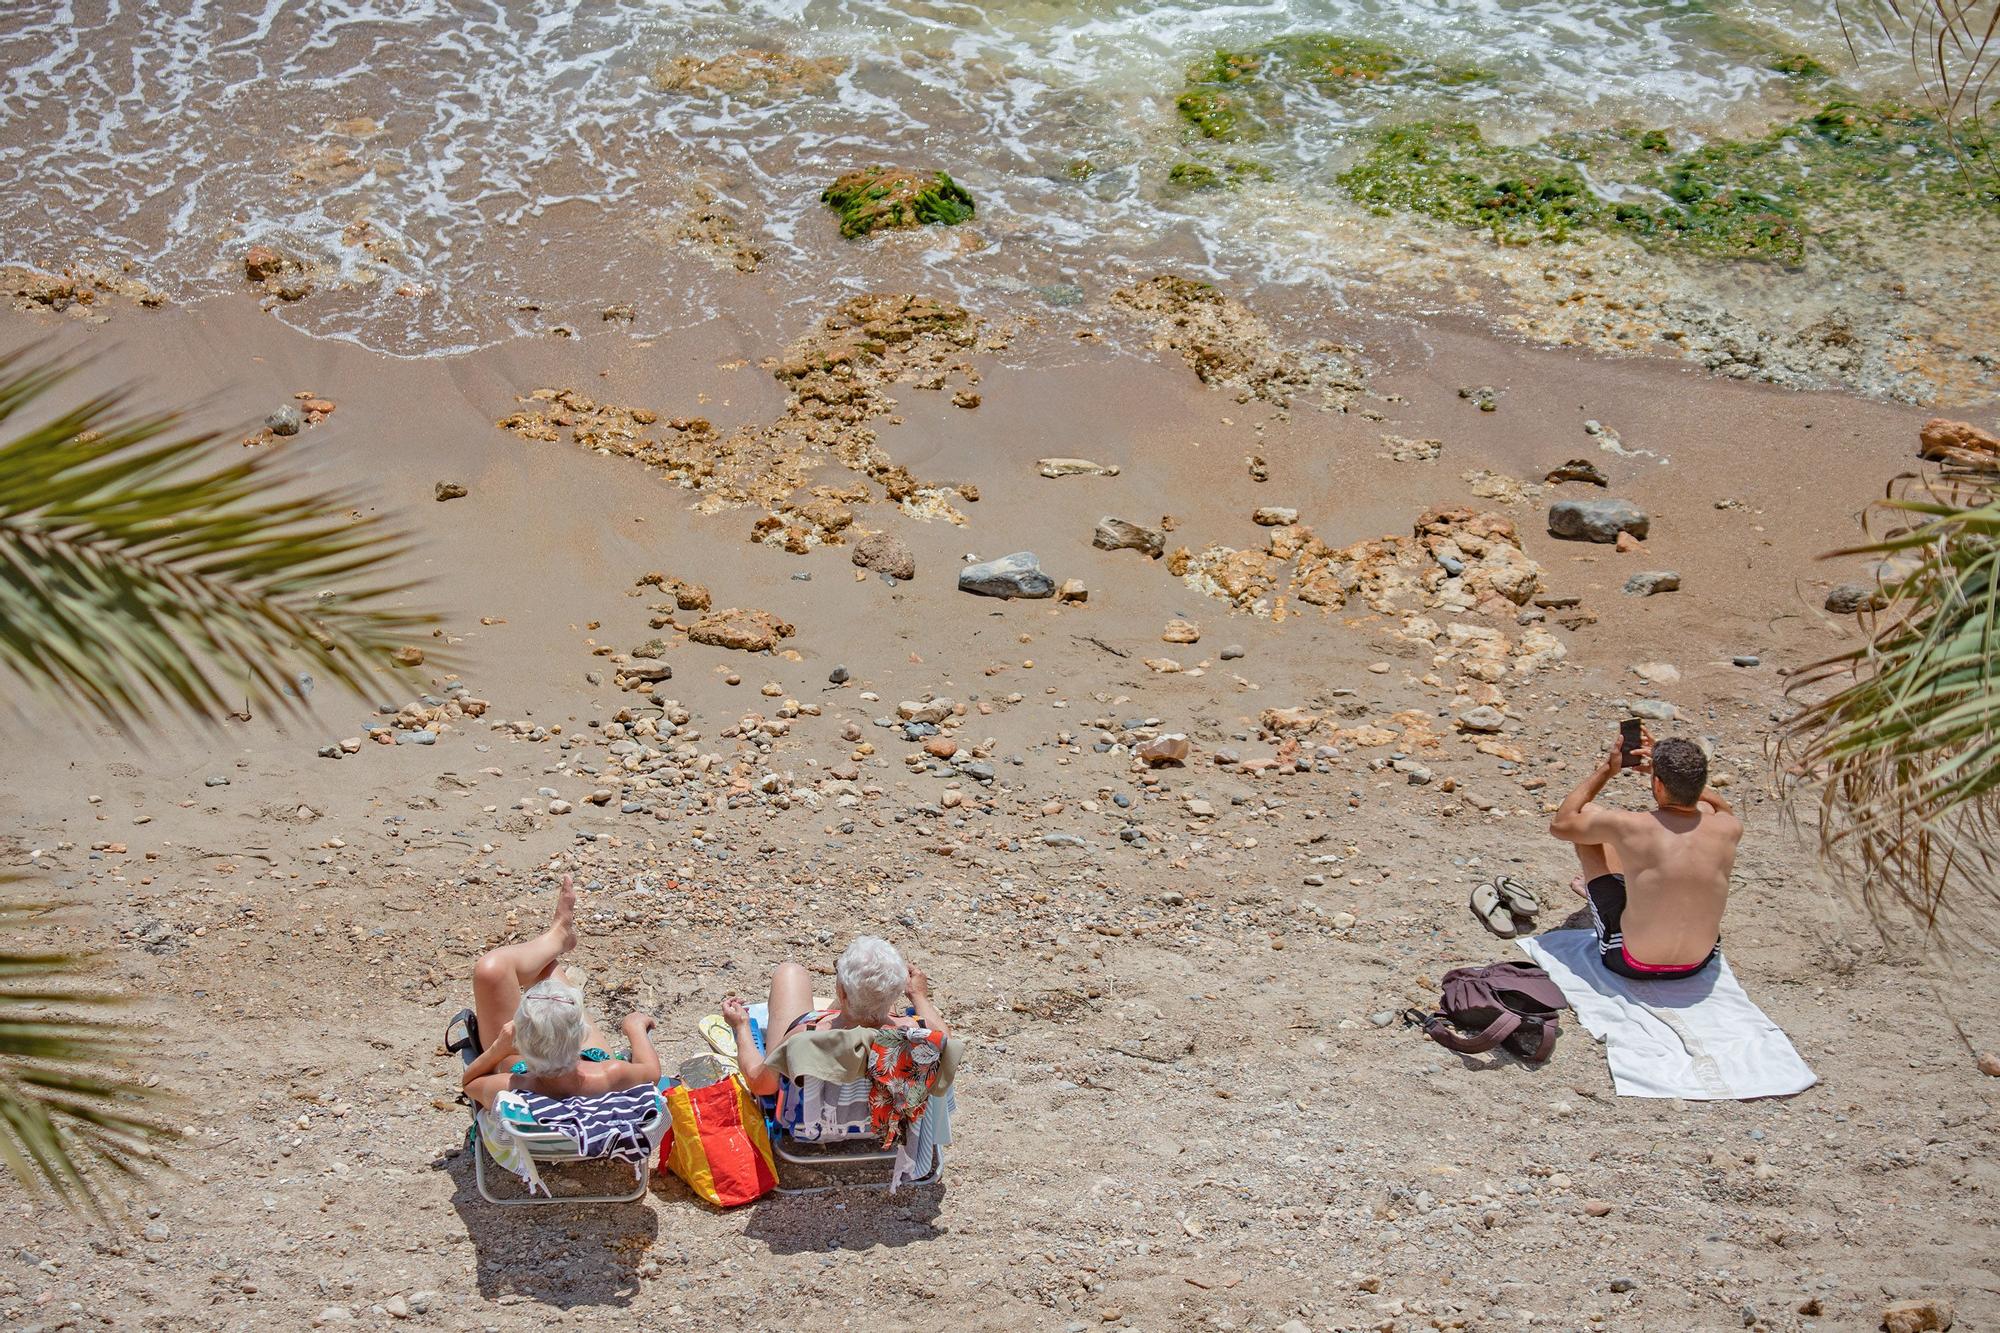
(612, 1124)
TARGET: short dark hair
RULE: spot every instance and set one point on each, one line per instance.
(1681, 768)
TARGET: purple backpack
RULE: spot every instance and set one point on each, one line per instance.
(1514, 1003)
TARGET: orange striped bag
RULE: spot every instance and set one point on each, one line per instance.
(718, 1143)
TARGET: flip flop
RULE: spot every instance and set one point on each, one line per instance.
(1517, 899)
(715, 1031)
(1492, 914)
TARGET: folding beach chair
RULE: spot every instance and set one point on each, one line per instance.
(548, 1147)
(816, 1123)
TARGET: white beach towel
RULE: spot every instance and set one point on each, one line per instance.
(1698, 1038)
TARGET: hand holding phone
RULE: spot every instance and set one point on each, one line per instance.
(1631, 739)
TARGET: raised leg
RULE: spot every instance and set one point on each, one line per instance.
(501, 975)
(791, 995)
(1596, 859)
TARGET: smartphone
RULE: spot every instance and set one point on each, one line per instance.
(1630, 738)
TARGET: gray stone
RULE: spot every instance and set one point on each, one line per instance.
(1016, 575)
(838, 676)
(1746, 660)
(285, 421)
(217, 781)
(1650, 581)
(1232, 652)
(1596, 520)
(1483, 718)
(1117, 534)
(1851, 598)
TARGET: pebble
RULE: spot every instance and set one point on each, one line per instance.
(1989, 1063)
(1746, 660)
(1232, 652)
(1652, 581)
(1596, 520)
(285, 421)
(217, 781)
(838, 676)
(1016, 575)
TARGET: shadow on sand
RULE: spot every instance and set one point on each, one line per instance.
(560, 1255)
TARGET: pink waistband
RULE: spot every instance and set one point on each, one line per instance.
(1634, 963)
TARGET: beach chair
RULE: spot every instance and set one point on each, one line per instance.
(547, 1147)
(820, 1124)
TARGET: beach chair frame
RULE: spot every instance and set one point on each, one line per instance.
(821, 1124)
(549, 1147)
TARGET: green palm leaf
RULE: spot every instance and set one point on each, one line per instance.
(72, 1118)
(1903, 732)
(136, 581)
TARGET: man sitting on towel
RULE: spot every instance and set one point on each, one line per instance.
(1657, 881)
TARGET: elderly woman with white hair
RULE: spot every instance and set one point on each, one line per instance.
(538, 1037)
(869, 981)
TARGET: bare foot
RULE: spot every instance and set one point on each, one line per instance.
(564, 926)
(1579, 888)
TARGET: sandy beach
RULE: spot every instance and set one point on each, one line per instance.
(1190, 1102)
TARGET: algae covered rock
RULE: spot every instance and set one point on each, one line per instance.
(874, 198)
(1242, 94)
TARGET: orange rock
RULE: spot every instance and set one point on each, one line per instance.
(1959, 441)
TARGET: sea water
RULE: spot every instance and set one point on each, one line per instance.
(463, 172)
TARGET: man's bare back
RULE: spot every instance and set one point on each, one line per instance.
(1658, 880)
(1676, 869)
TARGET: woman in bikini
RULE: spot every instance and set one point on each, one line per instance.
(538, 1038)
(868, 980)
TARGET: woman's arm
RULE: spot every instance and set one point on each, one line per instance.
(919, 991)
(645, 1060)
(759, 1077)
(493, 1057)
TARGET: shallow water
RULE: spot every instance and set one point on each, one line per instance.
(518, 167)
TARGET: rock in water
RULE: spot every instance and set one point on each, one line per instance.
(879, 197)
(1928, 1315)
(1117, 534)
(1016, 575)
(1578, 469)
(1074, 467)
(886, 554)
(1596, 520)
(1650, 581)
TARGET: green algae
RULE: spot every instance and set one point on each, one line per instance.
(1201, 176)
(1823, 179)
(1242, 94)
(1794, 65)
(881, 197)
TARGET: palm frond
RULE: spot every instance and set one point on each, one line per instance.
(1903, 732)
(137, 578)
(73, 1117)
(1953, 47)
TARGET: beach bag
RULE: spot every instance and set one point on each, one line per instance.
(718, 1142)
(1514, 1003)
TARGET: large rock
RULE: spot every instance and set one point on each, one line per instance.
(1016, 575)
(1117, 534)
(1928, 1315)
(1596, 520)
(1960, 441)
(746, 631)
(886, 554)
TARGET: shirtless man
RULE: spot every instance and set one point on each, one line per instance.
(538, 1037)
(1657, 881)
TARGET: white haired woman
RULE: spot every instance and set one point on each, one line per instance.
(869, 980)
(538, 1038)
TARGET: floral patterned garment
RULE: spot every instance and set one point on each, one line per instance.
(902, 1070)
